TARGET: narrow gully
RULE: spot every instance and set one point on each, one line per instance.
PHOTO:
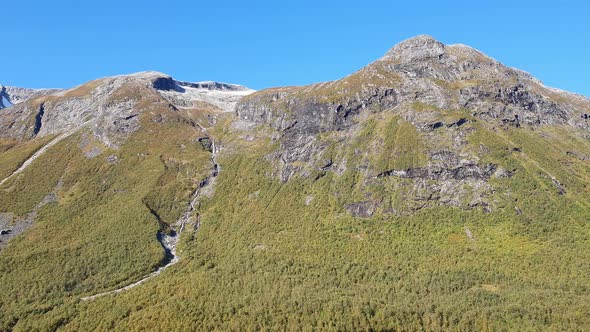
(170, 241)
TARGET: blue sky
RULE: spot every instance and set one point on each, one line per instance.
(272, 43)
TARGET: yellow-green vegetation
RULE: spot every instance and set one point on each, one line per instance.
(13, 154)
(288, 256)
(402, 147)
(363, 82)
(374, 76)
(456, 85)
(550, 171)
(101, 232)
(420, 107)
(263, 259)
(82, 90)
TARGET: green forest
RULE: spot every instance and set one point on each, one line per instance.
(272, 255)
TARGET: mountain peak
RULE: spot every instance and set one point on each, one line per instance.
(435, 154)
(416, 48)
(418, 39)
(145, 74)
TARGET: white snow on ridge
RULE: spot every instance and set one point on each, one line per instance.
(142, 74)
(224, 98)
(4, 103)
(181, 94)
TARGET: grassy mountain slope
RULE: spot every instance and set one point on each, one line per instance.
(435, 189)
(266, 259)
(98, 227)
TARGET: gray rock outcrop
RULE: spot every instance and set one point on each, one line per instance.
(110, 106)
(421, 81)
(10, 95)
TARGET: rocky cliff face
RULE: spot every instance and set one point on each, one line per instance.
(444, 92)
(413, 120)
(421, 70)
(109, 106)
(10, 95)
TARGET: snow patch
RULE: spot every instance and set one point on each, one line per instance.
(222, 95)
(5, 103)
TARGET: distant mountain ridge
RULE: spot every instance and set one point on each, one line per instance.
(14, 95)
(111, 101)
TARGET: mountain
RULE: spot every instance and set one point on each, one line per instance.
(10, 95)
(433, 189)
(417, 105)
(110, 106)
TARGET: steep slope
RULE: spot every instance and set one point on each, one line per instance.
(10, 95)
(104, 180)
(417, 105)
(111, 104)
(435, 189)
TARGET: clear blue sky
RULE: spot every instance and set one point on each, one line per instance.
(270, 43)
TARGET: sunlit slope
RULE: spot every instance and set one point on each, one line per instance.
(435, 189)
(96, 210)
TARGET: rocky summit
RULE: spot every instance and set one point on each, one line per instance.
(442, 94)
(434, 189)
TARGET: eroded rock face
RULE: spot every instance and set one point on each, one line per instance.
(470, 171)
(445, 92)
(363, 209)
(421, 70)
(223, 96)
(14, 95)
(110, 107)
(63, 111)
(418, 48)
(421, 81)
